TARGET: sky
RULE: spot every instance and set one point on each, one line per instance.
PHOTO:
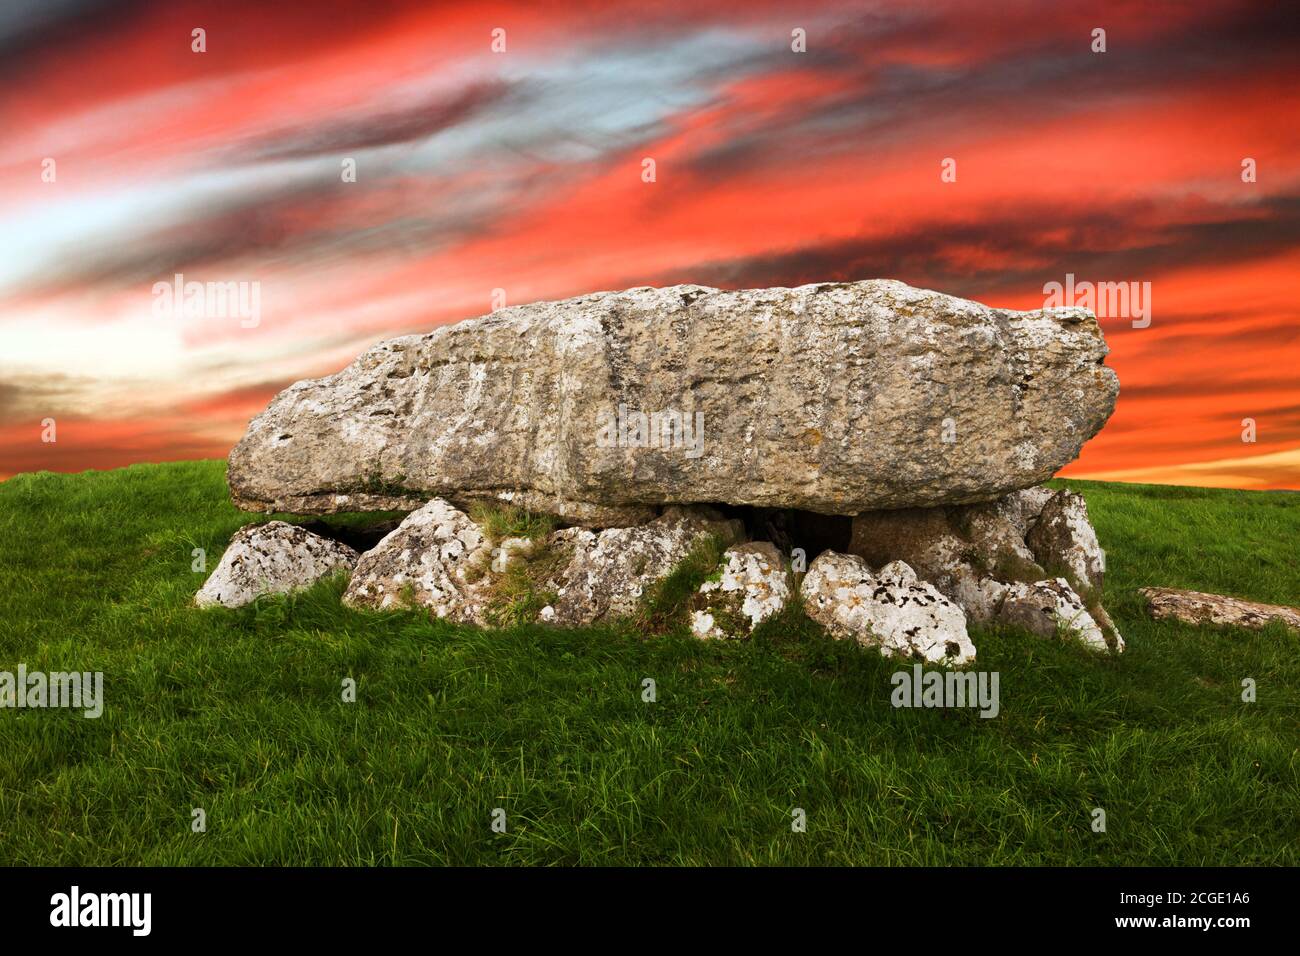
(982, 149)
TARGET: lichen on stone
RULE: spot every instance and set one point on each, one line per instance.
(750, 585)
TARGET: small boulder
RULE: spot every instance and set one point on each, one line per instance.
(1064, 541)
(1048, 608)
(967, 553)
(1023, 508)
(425, 562)
(997, 530)
(440, 558)
(997, 560)
(611, 569)
(272, 558)
(752, 586)
(892, 610)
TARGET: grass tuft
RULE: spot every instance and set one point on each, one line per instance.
(665, 602)
(501, 521)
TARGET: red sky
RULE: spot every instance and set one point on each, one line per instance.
(521, 171)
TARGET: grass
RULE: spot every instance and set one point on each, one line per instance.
(501, 521)
(241, 713)
(519, 593)
(666, 602)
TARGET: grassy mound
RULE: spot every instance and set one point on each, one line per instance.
(241, 714)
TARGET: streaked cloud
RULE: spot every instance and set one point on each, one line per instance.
(521, 171)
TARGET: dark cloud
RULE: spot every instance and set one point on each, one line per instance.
(1021, 253)
(37, 33)
(32, 26)
(1047, 76)
(28, 397)
(384, 128)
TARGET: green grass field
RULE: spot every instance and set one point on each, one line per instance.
(240, 713)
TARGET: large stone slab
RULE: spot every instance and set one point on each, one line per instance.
(836, 398)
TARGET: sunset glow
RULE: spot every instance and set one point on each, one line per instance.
(522, 171)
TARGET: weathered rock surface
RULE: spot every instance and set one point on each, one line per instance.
(1063, 540)
(969, 552)
(440, 558)
(1197, 607)
(425, 562)
(939, 567)
(836, 398)
(1051, 608)
(611, 569)
(753, 585)
(892, 610)
(997, 560)
(1000, 529)
(271, 558)
(1109, 631)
